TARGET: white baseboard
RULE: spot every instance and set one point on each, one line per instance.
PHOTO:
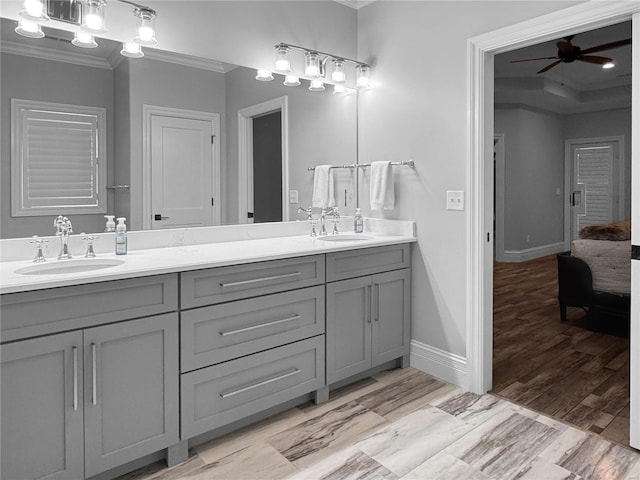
(447, 366)
(531, 253)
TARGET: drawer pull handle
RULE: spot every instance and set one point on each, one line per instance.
(290, 373)
(258, 280)
(376, 302)
(75, 378)
(94, 373)
(261, 325)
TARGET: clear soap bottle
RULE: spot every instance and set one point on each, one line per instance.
(358, 222)
(121, 237)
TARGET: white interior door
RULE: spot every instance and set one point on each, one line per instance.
(182, 181)
(593, 192)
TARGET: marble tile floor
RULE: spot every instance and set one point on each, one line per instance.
(404, 424)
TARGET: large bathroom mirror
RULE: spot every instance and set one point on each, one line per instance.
(265, 137)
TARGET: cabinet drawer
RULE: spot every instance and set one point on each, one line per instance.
(366, 261)
(223, 284)
(219, 333)
(53, 310)
(227, 392)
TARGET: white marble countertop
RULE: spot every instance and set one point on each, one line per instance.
(170, 259)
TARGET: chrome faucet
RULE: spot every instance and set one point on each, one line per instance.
(323, 220)
(39, 257)
(63, 229)
(312, 222)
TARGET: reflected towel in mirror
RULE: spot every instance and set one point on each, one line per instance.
(382, 196)
(323, 187)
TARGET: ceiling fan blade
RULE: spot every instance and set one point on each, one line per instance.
(533, 59)
(549, 67)
(594, 59)
(608, 46)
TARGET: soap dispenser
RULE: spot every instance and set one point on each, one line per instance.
(121, 237)
(358, 222)
(110, 225)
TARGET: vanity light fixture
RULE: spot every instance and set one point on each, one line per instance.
(93, 18)
(29, 29)
(84, 40)
(340, 90)
(291, 81)
(146, 26)
(315, 69)
(34, 10)
(131, 50)
(283, 64)
(264, 75)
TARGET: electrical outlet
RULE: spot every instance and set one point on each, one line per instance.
(293, 196)
(455, 200)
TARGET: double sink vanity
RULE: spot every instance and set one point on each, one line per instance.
(111, 361)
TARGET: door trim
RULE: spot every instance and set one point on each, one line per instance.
(480, 92)
(619, 179)
(245, 152)
(149, 111)
(500, 182)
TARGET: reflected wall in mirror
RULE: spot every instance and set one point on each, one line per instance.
(175, 134)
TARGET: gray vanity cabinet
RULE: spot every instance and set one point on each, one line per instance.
(368, 318)
(42, 408)
(130, 390)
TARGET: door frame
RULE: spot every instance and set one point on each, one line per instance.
(500, 185)
(568, 178)
(148, 112)
(479, 182)
(245, 151)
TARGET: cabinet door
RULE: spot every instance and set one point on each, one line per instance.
(42, 427)
(391, 316)
(348, 328)
(131, 390)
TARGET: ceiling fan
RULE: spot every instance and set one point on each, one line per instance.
(568, 52)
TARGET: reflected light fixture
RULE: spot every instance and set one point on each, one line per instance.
(264, 75)
(92, 21)
(34, 10)
(131, 50)
(29, 29)
(283, 64)
(291, 81)
(608, 65)
(315, 70)
(316, 85)
(84, 40)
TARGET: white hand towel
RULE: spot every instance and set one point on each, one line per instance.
(382, 196)
(323, 185)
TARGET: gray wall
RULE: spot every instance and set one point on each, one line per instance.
(534, 169)
(418, 109)
(56, 82)
(322, 130)
(602, 124)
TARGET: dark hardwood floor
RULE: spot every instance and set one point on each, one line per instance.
(572, 371)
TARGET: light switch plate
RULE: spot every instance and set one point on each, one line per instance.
(293, 196)
(455, 200)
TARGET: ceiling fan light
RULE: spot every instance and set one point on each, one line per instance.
(264, 75)
(84, 40)
(29, 29)
(608, 65)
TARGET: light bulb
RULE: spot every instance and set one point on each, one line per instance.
(311, 65)
(34, 10)
(264, 75)
(131, 50)
(608, 65)
(317, 85)
(339, 90)
(84, 40)
(29, 29)
(283, 65)
(338, 75)
(291, 81)
(93, 20)
(146, 26)
(364, 76)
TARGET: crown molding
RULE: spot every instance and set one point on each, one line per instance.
(189, 61)
(55, 55)
(355, 4)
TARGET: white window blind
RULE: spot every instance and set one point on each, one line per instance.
(58, 158)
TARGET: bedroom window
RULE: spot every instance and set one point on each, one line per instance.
(58, 158)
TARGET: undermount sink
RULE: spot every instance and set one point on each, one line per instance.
(79, 265)
(344, 238)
